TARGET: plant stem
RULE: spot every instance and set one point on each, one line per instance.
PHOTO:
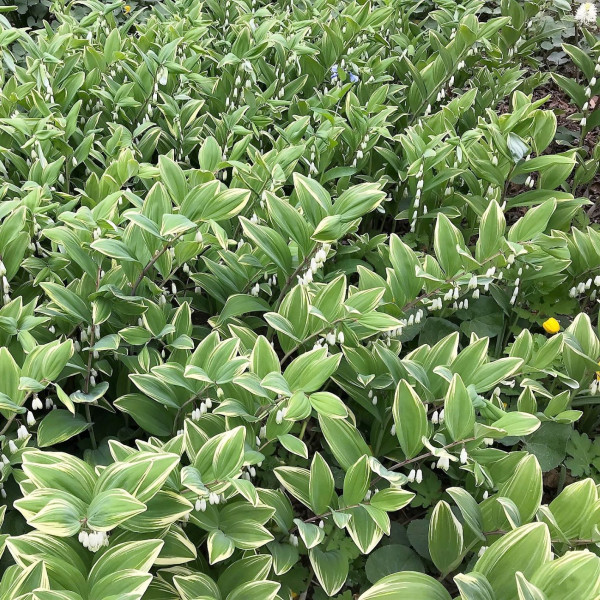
(150, 264)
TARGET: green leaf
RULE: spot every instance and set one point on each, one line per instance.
(344, 441)
(525, 549)
(173, 177)
(58, 426)
(321, 484)
(293, 444)
(311, 370)
(445, 538)
(269, 242)
(111, 508)
(406, 585)
(331, 569)
(255, 590)
(517, 423)
(392, 558)
(410, 419)
(459, 411)
(220, 547)
(68, 301)
(392, 499)
(113, 249)
(357, 481)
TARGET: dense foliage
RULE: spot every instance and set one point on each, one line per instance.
(299, 300)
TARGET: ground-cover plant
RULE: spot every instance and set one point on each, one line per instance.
(298, 301)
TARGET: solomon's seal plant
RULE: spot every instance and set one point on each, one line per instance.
(297, 300)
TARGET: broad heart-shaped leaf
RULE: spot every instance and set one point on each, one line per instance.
(409, 585)
(410, 419)
(111, 508)
(58, 426)
(525, 549)
(392, 558)
(331, 569)
(445, 538)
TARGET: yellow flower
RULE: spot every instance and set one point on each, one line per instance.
(551, 326)
(598, 374)
(127, 8)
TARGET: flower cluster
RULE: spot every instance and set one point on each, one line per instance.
(93, 540)
(585, 286)
(316, 263)
(204, 407)
(586, 14)
(417, 199)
